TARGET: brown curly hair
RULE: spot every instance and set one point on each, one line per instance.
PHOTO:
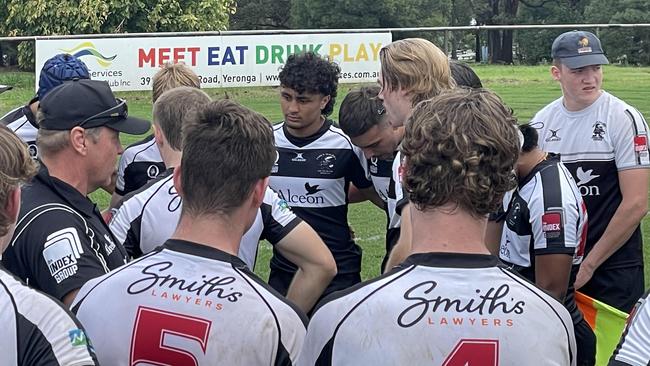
(460, 147)
(16, 169)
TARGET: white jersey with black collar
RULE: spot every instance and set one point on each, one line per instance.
(595, 144)
(139, 163)
(37, 330)
(441, 309)
(188, 304)
(148, 217)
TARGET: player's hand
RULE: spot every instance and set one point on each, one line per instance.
(585, 273)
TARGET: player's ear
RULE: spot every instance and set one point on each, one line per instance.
(177, 181)
(157, 134)
(12, 207)
(259, 189)
(324, 101)
(555, 73)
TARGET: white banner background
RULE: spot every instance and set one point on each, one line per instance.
(220, 61)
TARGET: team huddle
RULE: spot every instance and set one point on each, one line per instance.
(492, 226)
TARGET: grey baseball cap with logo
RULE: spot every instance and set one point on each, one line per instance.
(578, 49)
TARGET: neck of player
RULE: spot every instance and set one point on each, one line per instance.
(308, 130)
(528, 161)
(448, 228)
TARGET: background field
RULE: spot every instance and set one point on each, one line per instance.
(524, 88)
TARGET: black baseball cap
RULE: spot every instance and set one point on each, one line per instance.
(578, 49)
(87, 103)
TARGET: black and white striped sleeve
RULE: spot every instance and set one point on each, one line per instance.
(37, 330)
(634, 347)
(630, 139)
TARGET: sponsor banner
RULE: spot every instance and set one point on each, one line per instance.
(220, 61)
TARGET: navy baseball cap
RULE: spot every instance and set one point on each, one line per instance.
(58, 69)
(578, 49)
(87, 103)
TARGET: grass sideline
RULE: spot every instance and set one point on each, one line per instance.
(524, 88)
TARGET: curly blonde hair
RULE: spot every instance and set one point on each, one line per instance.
(16, 168)
(416, 66)
(460, 147)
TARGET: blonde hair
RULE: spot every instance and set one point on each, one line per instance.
(171, 76)
(16, 168)
(416, 66)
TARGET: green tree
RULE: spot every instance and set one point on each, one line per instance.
(43, 17)
(261, 14)
(623, 45)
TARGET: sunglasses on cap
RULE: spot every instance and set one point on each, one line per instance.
(121, 111)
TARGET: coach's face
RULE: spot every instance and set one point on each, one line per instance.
(102, 156)
(580, 87)
(397, 103)
(302, 111)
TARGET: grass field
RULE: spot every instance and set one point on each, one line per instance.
(524, 88)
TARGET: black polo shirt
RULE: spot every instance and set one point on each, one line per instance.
(60, 240)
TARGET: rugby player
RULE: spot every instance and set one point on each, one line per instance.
(316, 165)
(634, 347)
(192, 301)
(148, 217)
(450, 302)
(603, 141)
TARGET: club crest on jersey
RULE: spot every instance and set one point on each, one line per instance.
(640, 143)
(599, 131)
(61, 251)
(552, 224)
(274, 169)
(554, 136)
(326, 163)
(153, 171)
(33, 150)
(373, 165)
(299, 158)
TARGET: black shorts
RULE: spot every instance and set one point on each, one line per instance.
(280, 281)
(585, 344)
(618, 287)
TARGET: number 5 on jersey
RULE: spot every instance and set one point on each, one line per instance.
(153, 328)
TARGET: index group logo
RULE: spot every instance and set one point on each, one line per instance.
(89, 49)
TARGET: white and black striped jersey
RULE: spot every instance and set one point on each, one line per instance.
(441, 309)
(61, 240)
(634, 347)
(140, 162)
(381, 171)
(37, 330)
(188, 304)
(23, 122)
(545, 215)
(148, 217)
(313, 175)
(595, 144)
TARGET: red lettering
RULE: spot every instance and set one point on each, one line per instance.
(193, 51)
(178, 56)
(163, 55)
(148, 57)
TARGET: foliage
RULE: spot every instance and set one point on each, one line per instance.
(261, 14)
(43, 17)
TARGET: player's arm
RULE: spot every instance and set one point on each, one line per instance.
(402, 249)
(634, 205)
(493, 233)
(316, 267)
(118, 191)
(552, 273)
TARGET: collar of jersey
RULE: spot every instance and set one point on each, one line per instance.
(304, 141)
(202, 250)
(69, 194)
(451, 260)
(27, 111)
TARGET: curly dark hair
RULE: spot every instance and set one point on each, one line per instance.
(460, 147)
(309, 72)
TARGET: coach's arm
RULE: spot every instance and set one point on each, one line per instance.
(634, 206)
(316, 266)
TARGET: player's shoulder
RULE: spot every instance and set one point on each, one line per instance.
(548, 111)
(13, 116)
(622, 112)
(140, 198)
(141, 149)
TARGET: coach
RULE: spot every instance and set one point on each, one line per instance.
(61, 240)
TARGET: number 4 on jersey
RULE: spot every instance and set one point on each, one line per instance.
(152, 326)
(474, 352)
